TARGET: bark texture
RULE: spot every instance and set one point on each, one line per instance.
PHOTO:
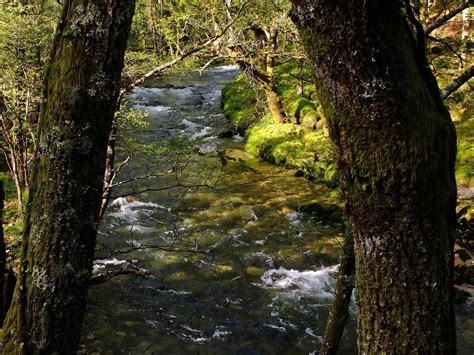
(81, 91)
(3, 257)
(396, 151)
(339, 312)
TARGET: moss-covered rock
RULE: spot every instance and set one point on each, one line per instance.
(300, 144)
(239, 103)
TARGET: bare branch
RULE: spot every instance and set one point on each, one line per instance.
(451, 49)
(100, 279)
(457, 83)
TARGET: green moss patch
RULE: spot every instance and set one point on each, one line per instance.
(299, 144)
(239, 102)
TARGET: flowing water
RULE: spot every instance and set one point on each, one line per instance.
(235, 267)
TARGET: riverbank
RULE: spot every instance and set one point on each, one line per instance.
(299, 144)
(302, 144)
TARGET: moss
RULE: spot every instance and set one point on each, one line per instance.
(462, 110)
(291, 145)
(239, 101)
(302, 108)
(461, 107)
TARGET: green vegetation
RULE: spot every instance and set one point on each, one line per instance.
(240, 103)
(300, 144)
(461, 105)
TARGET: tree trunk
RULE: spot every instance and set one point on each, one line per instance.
(81, 91)
(339, 312)
(109, 171)
(274, 104)
(396, 150)
(465, 33)
(3, 256)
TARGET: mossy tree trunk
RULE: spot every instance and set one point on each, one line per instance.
(81, 91)
(396, 150)
(262, 68)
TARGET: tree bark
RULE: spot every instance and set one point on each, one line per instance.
(339, 312)
(108, 171)
(3, 256)
(81, 91)
(275, 105)
(396, 151)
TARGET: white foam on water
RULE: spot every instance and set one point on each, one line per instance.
(203, 132)
(142, 94)
(131, 211)
(238, 138)
(192, 330)
(215, 95)
(181, 92)
(153, 110)
(198, 335)
(220, 333)
(100, 265)
(136, 228)
(295, 285)
(174, 292)
(310, 332)
(280, 329)
(224, 68)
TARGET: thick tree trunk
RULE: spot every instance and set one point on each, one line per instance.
(81, 94)
(396, 145)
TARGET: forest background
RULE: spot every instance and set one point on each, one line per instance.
(272, 102)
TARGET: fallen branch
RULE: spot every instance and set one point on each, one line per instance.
(457, 83)
(100, 279)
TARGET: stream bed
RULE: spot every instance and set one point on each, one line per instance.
(235, 266)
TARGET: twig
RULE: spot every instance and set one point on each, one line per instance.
(100, 279)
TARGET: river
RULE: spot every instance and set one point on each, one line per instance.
(248, 272)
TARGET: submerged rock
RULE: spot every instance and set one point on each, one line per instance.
(329, 214)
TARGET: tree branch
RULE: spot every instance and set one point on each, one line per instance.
(186, 54)
(434, 39)
(100, 279)
(457, 83)
(442, 20)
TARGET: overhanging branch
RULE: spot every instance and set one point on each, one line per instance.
(442, 20)
(186, 54)
(457, 83)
